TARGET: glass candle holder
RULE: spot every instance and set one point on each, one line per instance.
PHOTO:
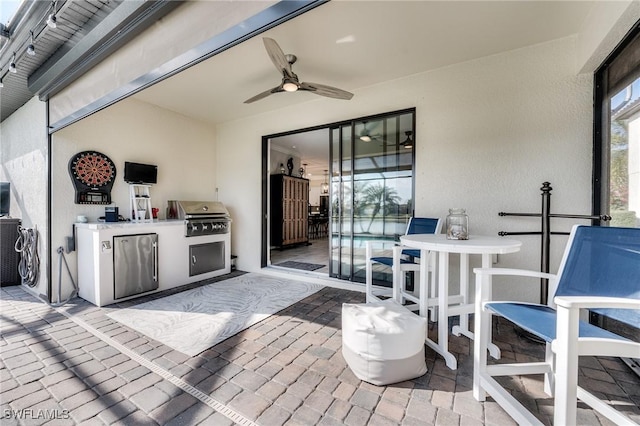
(457, 225)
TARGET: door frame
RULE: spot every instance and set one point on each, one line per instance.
(265, 169)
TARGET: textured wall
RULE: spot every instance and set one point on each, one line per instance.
(182, 148)
(488, 133)
(23, 154)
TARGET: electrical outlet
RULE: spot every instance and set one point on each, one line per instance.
(71, 244)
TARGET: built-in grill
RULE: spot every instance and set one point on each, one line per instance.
(201, 217)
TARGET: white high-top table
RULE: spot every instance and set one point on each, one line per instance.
(476, 244)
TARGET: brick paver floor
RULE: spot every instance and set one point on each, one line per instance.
(74, 365)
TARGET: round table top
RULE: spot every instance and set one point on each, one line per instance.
(476, 244)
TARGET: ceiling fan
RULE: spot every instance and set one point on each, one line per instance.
(368, 133)
(290, 82)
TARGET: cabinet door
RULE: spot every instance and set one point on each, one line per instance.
(295, 205)
(205, 258)
(135, 260)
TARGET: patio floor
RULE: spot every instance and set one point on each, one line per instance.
(74, 365)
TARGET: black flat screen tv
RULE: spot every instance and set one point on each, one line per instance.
(140, 173)
(4, 198)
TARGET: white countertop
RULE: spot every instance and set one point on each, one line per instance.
(129, 224)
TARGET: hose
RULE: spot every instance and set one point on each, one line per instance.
(27, 246)
(61, 257)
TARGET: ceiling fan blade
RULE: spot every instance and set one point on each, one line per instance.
(277, 56)
(328, 91)
(264, 94)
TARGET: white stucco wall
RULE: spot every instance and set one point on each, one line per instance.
(488, 133)
(182, 148)
(23, 159)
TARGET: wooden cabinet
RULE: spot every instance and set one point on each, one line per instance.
(289, 210)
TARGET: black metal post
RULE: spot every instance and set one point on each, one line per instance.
(546, 240)
(545, 243)
(545, 233)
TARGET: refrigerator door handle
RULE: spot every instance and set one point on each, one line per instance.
(155, 261)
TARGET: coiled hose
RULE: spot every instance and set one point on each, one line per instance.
(27, 246)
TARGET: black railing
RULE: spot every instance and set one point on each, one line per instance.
(546, 232)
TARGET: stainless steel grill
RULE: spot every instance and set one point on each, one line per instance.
(201, 217)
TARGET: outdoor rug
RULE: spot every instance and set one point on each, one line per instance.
(197, 319)
(300, 265)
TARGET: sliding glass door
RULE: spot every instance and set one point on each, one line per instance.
(372, 190)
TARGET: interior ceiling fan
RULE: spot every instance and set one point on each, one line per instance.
(290, 82)
(371, 132)
(366, 134)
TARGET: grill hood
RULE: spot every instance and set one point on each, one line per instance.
(196, 209)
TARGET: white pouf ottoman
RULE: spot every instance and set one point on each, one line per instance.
(383, 342)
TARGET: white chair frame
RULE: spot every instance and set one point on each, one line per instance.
(423, 300)
(560, 367)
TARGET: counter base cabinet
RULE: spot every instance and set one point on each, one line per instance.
(97, 270)
(289, 210)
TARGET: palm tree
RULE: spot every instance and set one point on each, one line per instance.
(379, 197)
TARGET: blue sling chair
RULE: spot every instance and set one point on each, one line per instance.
(600, 271)
(409, 260)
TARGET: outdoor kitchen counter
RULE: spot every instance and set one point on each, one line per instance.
(129, 224)
(95, 245)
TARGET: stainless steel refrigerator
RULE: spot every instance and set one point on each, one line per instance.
(135, 264)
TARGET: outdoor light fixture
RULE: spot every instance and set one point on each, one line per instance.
(365, 138)
(408, 143)
(52, 22)
(31, 49)
(12, 65)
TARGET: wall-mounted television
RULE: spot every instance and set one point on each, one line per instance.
(140, 173)
(5, 188)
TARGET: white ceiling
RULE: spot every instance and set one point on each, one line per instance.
(355, 44)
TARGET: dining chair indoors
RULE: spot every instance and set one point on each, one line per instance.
(600, 271)
(409, 260)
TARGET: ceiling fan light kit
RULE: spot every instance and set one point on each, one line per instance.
(408, 143)
(290, 81)
(289, 85)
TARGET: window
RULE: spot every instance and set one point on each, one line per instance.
(617, 134)
(616, 183)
